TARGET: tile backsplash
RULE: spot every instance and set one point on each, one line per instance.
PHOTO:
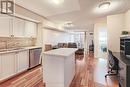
(15, 42)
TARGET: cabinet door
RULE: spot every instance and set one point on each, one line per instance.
(7, 65)
(19, 27)
(122, 74)
(0, 67)
(22, 61)
(5, 26)
(30, 29)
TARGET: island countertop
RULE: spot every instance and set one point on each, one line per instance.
(122, 58)
(61, 52)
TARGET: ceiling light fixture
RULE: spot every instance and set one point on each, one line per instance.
(68, 24)
(104, 5)
(57, 1)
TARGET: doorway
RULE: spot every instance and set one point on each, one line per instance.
(103, 43)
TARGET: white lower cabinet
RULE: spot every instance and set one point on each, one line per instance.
(22, 61)
(13, 63)
(7, 65)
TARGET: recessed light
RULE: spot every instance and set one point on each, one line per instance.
(104, 5)
(57, 1)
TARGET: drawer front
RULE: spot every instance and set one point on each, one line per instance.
(122, 74)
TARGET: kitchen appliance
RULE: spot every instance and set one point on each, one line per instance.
(34, 57)
(125, 46)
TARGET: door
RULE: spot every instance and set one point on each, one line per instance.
(22, 61)
(102, 43)
(7, 65)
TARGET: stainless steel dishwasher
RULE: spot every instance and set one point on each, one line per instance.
(34, 57)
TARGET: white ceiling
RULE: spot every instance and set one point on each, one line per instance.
(82, 13)
(48, 8)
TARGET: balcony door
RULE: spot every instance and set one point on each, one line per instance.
(103, 43)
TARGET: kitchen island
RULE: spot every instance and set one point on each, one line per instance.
(59, 67)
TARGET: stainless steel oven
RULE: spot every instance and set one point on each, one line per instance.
(34, 57)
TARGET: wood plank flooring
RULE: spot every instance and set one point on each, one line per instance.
(31, 78)
(90, 72)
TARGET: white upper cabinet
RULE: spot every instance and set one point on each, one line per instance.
(13, 26)
(5, 26)
(19, 27)
(30, 29)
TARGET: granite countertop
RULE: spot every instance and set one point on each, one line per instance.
(122, 58)
(64, 52)
(11, 50)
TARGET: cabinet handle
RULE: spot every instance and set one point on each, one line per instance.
(12, 36)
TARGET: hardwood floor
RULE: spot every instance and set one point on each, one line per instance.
(31, 78)
(90, 72)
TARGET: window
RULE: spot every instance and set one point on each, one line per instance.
(79, 39)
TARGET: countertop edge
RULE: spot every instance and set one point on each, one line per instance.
(23, 49)
(55, 54)
(122, 58)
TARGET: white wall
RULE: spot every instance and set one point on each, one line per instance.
(115, 25)
(101, 24)
(127, 21)
(55, 37)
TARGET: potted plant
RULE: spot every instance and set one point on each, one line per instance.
(124, 33)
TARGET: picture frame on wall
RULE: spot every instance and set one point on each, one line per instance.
(7, 7)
